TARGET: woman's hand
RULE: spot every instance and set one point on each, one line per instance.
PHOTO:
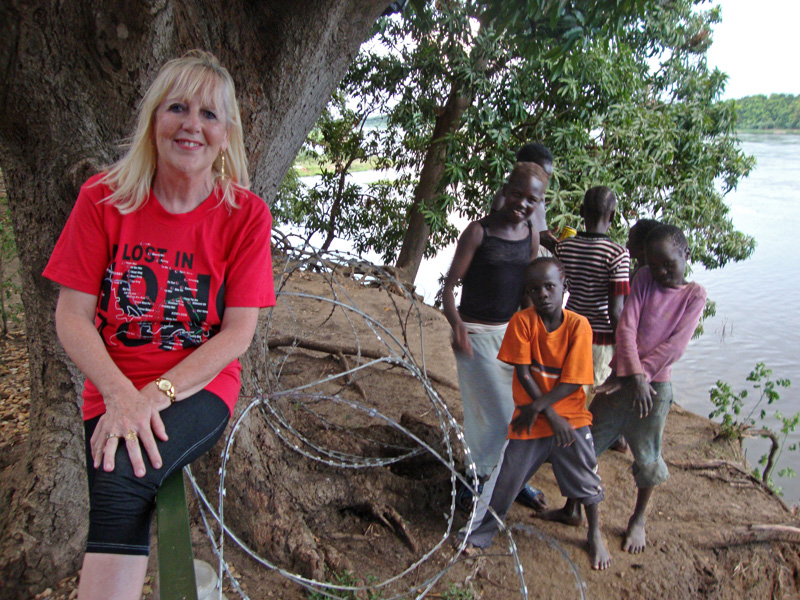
(129, 412)
(132, 419)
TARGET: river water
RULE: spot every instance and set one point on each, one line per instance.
(758, 301)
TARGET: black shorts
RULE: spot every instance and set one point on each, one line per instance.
(121, 504)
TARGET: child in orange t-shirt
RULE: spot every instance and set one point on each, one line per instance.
(551, 350)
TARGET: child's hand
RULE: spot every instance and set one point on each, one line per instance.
(460, 341)
(562, 430)
(609, 386)
(523, 422)
(642, 393)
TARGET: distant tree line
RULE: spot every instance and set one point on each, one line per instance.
(778, 111)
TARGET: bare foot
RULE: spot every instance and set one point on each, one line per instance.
(561, 515)
(620, 445)
(469, 549)
(598, 553)
(634, 537)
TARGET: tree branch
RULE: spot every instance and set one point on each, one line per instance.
(336, 349)
(766, 433)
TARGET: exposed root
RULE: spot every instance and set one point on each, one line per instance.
(336, 349)
(346, 366)
(757, 534)
(389, 518)
(699, 465)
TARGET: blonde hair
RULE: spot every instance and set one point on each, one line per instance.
(196, 73)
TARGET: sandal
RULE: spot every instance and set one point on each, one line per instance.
(464, 497)
(531, 498)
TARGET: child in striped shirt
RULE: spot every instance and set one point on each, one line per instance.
(597, 272)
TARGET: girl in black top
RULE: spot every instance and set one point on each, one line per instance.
(490, 260)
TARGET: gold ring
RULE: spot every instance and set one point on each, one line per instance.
(112, 435)
(131, 436)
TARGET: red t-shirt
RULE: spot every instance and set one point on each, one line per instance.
(560, 356)
(163, 280)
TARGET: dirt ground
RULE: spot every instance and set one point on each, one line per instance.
(697, 525)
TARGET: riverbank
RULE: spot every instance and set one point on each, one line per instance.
(701, 540)
(772, 131)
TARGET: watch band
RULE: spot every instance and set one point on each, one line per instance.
(165, 385)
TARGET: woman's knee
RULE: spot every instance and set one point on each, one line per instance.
(121, 507)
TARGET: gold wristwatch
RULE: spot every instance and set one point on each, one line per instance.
(165, 385)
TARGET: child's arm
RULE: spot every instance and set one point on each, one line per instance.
(627, 354)
(538, 218)
(626, 359)
(615, 304)
(468, 243)
(562, 430)
(674, 346)
(548, 240)
(641, 368)
(618, 286)
(541, 402)
(642, 393)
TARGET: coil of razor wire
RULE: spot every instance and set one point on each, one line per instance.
(298, 257)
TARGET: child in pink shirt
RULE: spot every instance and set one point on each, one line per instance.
(657, 322)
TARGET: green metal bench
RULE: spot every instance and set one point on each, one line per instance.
(175, 556)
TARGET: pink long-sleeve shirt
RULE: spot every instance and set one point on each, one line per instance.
(655, 326)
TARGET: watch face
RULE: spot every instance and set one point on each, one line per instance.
(164, 385)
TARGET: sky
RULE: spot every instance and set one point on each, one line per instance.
(756, 45)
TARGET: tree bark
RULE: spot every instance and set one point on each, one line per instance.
(430, 178)
(71, 75)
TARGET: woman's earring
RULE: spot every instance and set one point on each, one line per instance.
(222, 164)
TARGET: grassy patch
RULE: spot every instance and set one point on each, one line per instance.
(307, 167)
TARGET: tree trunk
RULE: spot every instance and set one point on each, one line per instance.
(430, 178)
(71, 75)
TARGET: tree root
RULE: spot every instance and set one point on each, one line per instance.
(699, 465)
(757, 534)
(389, 518)
(346, 366)
(337, 349)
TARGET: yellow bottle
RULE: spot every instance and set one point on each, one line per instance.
(567, 232)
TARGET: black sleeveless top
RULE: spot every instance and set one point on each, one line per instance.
(493, 286)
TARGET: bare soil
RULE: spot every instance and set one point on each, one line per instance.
(333, 520)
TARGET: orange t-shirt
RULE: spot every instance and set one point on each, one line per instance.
(560, 356)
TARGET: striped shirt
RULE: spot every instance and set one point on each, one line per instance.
(596, 269)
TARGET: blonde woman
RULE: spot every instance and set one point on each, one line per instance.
(163, 266)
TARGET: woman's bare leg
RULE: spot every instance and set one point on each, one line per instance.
(118, 576)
